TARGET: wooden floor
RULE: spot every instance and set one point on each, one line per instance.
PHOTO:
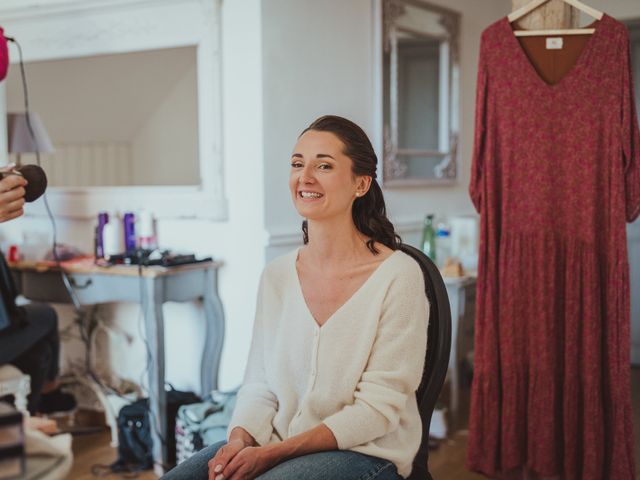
(94, 449)
(446, 463)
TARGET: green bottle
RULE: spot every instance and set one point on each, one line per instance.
(428, 243)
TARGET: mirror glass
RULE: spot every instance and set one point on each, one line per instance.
(420, 84)
(115, 120)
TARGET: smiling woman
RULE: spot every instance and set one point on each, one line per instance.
(347, 141)
(315, 404)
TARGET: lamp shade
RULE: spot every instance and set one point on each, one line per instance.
(20, 139)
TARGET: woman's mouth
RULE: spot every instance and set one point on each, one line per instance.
(309, 195)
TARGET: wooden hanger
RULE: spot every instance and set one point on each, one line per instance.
(531, 6)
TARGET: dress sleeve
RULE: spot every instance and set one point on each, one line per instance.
(630, 137)
(394, 368)
(477, 162)
(256, 404)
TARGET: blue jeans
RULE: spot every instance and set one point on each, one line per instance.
(334, 465)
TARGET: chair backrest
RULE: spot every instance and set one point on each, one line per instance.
(437, 358)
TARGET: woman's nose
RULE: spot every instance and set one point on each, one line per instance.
(306, 176)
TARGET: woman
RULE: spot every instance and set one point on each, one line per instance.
(339, 337)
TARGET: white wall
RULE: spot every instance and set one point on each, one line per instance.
(165, 147)
(318, 59)
(620, 9)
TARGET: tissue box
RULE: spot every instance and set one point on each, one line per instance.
(11, 442)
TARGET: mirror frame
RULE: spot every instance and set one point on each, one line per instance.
(393, 169)
(75, 29)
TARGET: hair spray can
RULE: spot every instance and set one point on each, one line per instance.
(129, 222)
(103, 219)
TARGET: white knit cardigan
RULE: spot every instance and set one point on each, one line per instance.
(357, 374)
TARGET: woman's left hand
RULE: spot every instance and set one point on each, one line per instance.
(249, 463)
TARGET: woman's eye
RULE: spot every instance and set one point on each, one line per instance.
(296, 164)
(325, 166)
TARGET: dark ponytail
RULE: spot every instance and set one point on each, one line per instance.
(369, 211)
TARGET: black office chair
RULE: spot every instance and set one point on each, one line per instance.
(437, 359)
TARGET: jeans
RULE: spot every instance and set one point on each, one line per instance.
(334, 465)
(34, 349)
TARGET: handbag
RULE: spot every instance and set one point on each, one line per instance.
(135, 445)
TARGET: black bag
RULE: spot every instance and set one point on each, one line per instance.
(135, 446)
(134, 438)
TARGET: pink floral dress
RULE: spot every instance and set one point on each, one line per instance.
(555, 177)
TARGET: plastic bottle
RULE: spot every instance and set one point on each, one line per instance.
(112, 237)
(145, 227)
(443, 244)
(428, 243)
(129, 226)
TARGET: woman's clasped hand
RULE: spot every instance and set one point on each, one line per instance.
(237, 461)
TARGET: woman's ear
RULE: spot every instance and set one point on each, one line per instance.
(363, 184)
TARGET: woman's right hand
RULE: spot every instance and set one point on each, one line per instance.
(223, 456)
(11, 196)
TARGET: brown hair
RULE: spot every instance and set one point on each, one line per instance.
(369, 211)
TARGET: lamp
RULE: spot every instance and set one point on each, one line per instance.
(21, 140)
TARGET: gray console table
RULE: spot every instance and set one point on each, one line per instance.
(153, 286)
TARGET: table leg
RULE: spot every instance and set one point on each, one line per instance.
(456, 305)
(214, 335)
(154, 326)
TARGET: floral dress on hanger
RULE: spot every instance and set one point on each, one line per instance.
(555, 178)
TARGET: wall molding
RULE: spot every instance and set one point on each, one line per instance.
(292, 236)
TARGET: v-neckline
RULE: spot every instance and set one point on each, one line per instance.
(597, 25)
(346, 302)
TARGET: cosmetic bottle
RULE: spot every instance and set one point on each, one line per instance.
(129, 226)
(112, 237)
(103, 219)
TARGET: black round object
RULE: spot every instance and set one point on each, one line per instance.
(37, 181)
